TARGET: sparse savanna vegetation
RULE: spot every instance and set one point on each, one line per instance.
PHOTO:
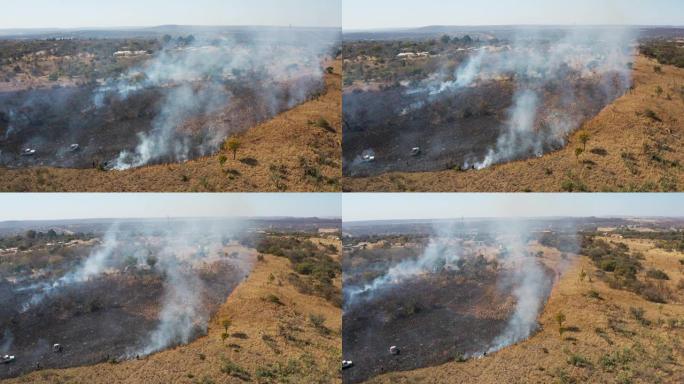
(605, 155)
(270, 330)
(615, 316)
(315, 266)
(268, 157)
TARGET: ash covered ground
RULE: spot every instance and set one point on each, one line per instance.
(119, 294)
(473, 99)
(444, 292)
(122, 99)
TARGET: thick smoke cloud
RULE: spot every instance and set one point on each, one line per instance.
(180, 251)
(558, 83)
(281, 69)
(441, 252)
(530, 286)
(521, 275)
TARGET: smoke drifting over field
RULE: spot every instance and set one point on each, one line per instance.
(511, 268)
(530, 286)
(180, 253)
(439, 253)
(178, 101)
(555, 81)
(282, 73)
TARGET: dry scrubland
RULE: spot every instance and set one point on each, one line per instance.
(276, 334)
(606, 338)
(629, 149)
(297, 151)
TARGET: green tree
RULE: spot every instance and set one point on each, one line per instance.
(584, 139)
(560, 319)
(226, 323)
(233, 144)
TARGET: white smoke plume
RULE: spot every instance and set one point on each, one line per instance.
(281, 68)
(530, 289)
(539, 65)
(442, 251)
(180, 250)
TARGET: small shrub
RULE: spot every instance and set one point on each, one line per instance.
(271, 298)
(657, 274)
(599, 151)
(579, 361)
(323, 123)
(638, 315)
(316, 320)
(652, 115)
(232, 369)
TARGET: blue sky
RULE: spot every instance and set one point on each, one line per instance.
(378, 14)
(27, 206)
(356, 207)
(114, 13)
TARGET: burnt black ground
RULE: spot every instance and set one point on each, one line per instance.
(102, 320)
(426, 318)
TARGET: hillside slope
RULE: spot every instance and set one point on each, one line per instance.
(603, 342)
(269, 342)
(627, 150)
(293, 152)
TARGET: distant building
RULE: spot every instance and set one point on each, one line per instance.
(129, 53)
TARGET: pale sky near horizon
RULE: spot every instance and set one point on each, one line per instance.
(384, 14)
(137, 13)
(64, 206)
(410, 206)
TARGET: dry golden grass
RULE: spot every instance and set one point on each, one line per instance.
(620, 129)
(655, 353)
(271, 156)
(317, 354)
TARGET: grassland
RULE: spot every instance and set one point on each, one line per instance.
(273, 334)
(608, 335)
(297, 151)
(634, 145)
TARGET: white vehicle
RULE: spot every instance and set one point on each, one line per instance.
(57, 348)
(28, 152)
(347, 364)
(368, 158)
(74, 147)
(415, 151)
(7, 359)
(394, 350)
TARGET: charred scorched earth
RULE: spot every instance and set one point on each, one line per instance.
(117, 103)
(430, 105)
(433, 302)
(73, 300)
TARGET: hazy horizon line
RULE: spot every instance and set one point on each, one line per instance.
(390, 29)
(514, 218)
(134, 27)
(172, 218)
